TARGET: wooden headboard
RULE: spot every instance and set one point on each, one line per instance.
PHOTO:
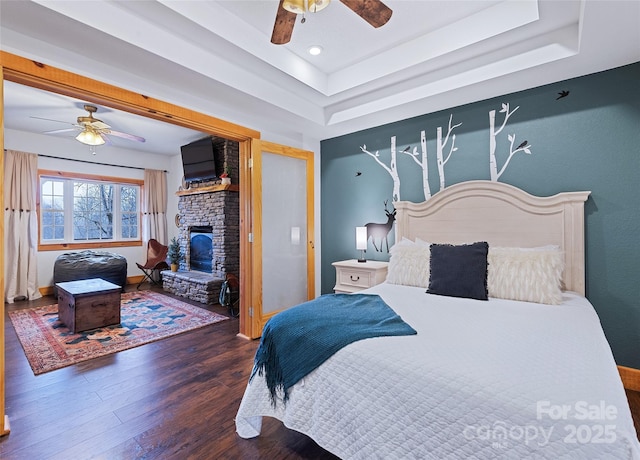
(502, 215)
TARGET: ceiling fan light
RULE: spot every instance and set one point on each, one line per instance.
(317, 5)
(302, 6)
(90, 138)
(294, 6)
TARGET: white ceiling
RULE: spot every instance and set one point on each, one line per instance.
(216, 57)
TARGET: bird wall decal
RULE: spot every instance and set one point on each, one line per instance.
(561, 94)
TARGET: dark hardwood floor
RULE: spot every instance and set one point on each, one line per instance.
(171, 399)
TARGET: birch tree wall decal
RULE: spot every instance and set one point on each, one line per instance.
(392, 169)
(493, 133)
(441, 144)
(445, 146)
(440, 155)
(424, 165)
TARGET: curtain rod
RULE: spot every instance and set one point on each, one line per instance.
(92, 162)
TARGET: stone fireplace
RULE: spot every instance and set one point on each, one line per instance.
(209, 235)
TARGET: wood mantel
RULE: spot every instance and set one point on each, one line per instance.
(209, 189)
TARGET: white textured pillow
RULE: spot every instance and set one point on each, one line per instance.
(409, 264)
(526, 274)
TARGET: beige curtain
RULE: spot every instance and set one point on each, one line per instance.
(154, 206)
(21, 226)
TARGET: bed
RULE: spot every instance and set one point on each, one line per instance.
(496, 378)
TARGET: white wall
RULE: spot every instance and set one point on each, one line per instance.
(71, 149)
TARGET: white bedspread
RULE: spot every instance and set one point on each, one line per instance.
(496, 379)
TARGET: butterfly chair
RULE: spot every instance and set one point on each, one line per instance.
(156, 261)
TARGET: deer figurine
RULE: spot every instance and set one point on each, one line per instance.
(381, 231)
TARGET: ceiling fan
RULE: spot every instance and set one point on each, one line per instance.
(92, 131)
(374, 12)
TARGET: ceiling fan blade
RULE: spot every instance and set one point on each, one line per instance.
(106, 139)
(130, 137)
(49, 119)
(283, 27)
(55, 131)
(374, 12)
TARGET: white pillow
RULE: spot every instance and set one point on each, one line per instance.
(422, 242)
(526, 274)
(409, 264)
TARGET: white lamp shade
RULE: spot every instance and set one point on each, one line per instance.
(316, 5)
(89, 137)
(302, 6)
(361, 238)
(295, 6)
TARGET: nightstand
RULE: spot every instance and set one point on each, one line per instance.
(353, 276)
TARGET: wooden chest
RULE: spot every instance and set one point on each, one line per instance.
(88, 304)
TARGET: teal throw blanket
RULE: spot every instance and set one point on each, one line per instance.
(296, 341)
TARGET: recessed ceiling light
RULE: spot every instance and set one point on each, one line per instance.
(315, 50)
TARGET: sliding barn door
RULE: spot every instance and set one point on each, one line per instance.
(282, 230)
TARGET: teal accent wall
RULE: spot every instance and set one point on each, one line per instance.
(588, 140)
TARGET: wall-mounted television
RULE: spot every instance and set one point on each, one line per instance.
(199, 160)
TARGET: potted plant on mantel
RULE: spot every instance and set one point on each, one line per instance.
(226, 174)
(174, 254)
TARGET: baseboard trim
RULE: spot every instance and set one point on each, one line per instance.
(48, 290)
(630, 378)
(6, 429)
(134, 279)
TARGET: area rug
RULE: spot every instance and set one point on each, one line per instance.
(145, 316)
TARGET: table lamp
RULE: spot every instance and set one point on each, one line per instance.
(361, 242)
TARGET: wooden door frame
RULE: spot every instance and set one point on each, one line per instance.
(4, 419)
(258, 320)
(42, 76)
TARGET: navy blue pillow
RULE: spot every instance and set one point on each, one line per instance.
(459, 271)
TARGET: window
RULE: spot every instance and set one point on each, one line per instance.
(86, 211)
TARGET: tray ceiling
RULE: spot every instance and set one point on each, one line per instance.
(216, 57)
